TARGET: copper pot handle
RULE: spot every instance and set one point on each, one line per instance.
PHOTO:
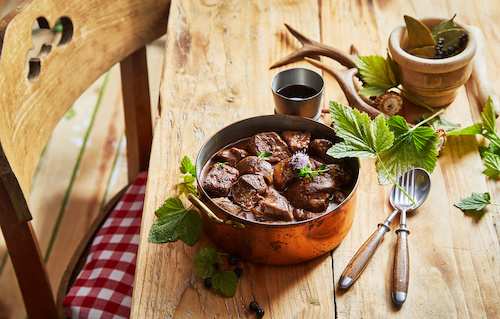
(202, 207)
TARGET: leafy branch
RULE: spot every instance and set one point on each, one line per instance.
(391, 142)
(486, 128)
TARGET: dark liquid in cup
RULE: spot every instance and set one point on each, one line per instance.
(297, 91)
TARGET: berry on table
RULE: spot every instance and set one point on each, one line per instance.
(238, 271)
(208, 282)
(260, 313)
(233, 260)
(254, 305)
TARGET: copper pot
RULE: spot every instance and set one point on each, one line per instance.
(276, 243)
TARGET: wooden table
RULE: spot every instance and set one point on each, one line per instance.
(216, 71)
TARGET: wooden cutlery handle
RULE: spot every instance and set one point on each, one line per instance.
(362, 257)
(401, 268)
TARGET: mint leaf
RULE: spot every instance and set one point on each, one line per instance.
(187, 167)
(225, 281)
(492, 164)
(204, 262)
(477, 201)
(187, 186)
(379, 74)
(175, 222)
(363, 137)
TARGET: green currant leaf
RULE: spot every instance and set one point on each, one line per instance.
(187, 186)
(363, 137)
(477, 201)
(412, 147)
(187, 167)
(492, 164)
(379, 74)
(477, 128)
(437, 123)
(204, 262)
(175, 222)
(225, 281)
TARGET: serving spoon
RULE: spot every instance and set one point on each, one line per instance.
(417, 183)
(363, 256)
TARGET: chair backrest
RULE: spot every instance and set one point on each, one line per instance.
(96, 34)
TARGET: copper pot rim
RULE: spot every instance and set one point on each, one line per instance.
(205, 196)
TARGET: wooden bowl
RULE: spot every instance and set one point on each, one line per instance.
(432, 81)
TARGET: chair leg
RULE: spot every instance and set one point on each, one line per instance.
(137, 107)
(28, 263)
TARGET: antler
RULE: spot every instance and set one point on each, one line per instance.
(313, 48)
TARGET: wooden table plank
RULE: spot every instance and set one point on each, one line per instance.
(217, 58)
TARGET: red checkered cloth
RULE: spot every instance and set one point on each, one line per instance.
(103, 289)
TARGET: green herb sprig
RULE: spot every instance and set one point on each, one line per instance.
(307, 171)
(264, 155)
(486, 128)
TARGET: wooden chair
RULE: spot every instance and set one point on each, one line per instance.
(96, 35)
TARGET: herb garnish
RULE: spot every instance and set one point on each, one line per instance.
(264, 155)
(300, 163)
(486, 128)
(475, 204)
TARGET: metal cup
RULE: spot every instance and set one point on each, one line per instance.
(305, 106)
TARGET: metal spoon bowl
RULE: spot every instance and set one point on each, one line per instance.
(422, 182)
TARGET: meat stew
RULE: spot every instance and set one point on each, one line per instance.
(277, 177)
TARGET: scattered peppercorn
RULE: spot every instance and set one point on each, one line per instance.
(238, 271)
(254, 305)
(208, 282)
(233, 260)
(260, 313)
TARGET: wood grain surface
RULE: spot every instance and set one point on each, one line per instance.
(217, 59)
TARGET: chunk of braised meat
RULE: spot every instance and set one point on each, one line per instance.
(301, 214)
(247, 190)
(227, 205)
(274, 206)
(256, 165)
(340, 172)
(318, 148)
(338, 196)
(231, 156)
(311, 195)
(219, 179)
(284, 175)
(296, 140)
(269, 142)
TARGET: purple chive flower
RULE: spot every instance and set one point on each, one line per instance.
(300, 161)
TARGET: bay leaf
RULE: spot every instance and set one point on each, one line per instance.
(428, 52)
(444, 25)
(419, 34)
(450, 36)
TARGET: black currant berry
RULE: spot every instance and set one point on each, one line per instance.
(208, 282)
(233, 260)
(254, 305)
(260, 313)
(238, 271)
(216, 265)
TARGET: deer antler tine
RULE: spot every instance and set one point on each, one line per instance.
(345, 80)
(299, 36)
(313, 48)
